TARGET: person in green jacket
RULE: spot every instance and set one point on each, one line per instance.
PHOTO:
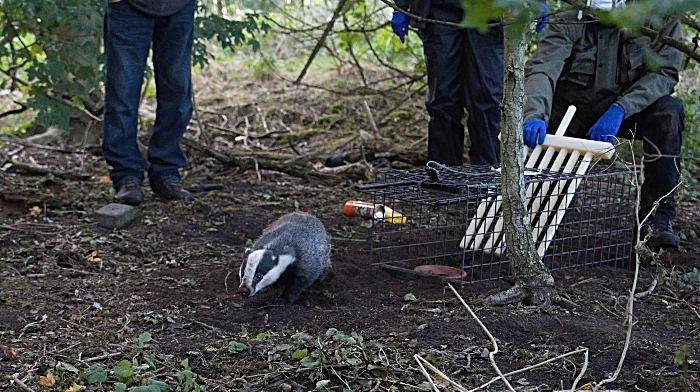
(622, 86)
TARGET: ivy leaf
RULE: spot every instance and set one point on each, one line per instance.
(124, 371)
(263, 335)
(409, 297)
(95, 374)
(67, 367)
(299, 354)
(281, 347)
(144, 338)
(309, 362)
(235, 347)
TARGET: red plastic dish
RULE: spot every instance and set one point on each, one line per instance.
(441, 270)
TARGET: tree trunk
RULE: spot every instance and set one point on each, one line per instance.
(533, 283)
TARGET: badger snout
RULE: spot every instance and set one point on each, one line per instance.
(244, 291)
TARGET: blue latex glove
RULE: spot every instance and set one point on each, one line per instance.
(542, 21)
(399, 23)
(534, 132)
(607, 126)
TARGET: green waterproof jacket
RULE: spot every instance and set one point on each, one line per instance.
(586, 63)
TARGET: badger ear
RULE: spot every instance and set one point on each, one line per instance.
(247, 251)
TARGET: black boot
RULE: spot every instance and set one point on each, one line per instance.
(170, 190)
(129, 193)
(661, 236)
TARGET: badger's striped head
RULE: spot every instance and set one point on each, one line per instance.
(260, 270)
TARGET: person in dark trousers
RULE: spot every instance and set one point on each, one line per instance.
(465, 72)
(131, 29)
(622, 86)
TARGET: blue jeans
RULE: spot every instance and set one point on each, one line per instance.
(128, 36)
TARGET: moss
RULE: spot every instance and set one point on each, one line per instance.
(296, 136)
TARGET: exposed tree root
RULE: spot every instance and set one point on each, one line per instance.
(537, 291)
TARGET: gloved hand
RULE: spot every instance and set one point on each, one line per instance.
(542, 21)
(399, 23)
(534, 132)
(607, 126)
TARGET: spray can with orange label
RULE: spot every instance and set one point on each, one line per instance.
(377, 212)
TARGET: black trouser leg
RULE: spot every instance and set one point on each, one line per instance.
(660, 127)
(484, 92)
(444, 57)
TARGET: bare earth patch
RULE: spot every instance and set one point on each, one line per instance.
(124, 308)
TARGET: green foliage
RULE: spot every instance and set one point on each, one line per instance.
(228, 33)
(683, 356)
(518, 13)
(50, 51)
(686, 281)
(635, 14)
(263, 335)
(95, 374)
(690, 98)
(235, 347)
(124, 371)
(298, 355)
(187, 375)
(143, 339)
(152, 386)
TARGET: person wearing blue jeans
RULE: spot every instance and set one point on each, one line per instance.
(465, 72)
(131, 29)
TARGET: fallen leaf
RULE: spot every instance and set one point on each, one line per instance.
(35, 211)
(104, 179)
(48, 380)
(441, 382)
(75, 388)
(93, 257)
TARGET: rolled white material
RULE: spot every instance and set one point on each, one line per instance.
(485, 230)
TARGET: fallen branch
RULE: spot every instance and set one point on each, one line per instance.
(20, 383)
(24, 143)
(30, 168)
(104, 356)
(648, 291)
(191, 143)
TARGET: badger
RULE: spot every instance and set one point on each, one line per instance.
(293, 252)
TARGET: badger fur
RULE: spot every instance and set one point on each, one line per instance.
(293, 252)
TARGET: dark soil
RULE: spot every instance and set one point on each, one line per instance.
(74, 294)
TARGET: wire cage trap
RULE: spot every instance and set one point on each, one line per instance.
(454, 219)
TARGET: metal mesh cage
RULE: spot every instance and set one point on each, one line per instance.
(453, 217)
